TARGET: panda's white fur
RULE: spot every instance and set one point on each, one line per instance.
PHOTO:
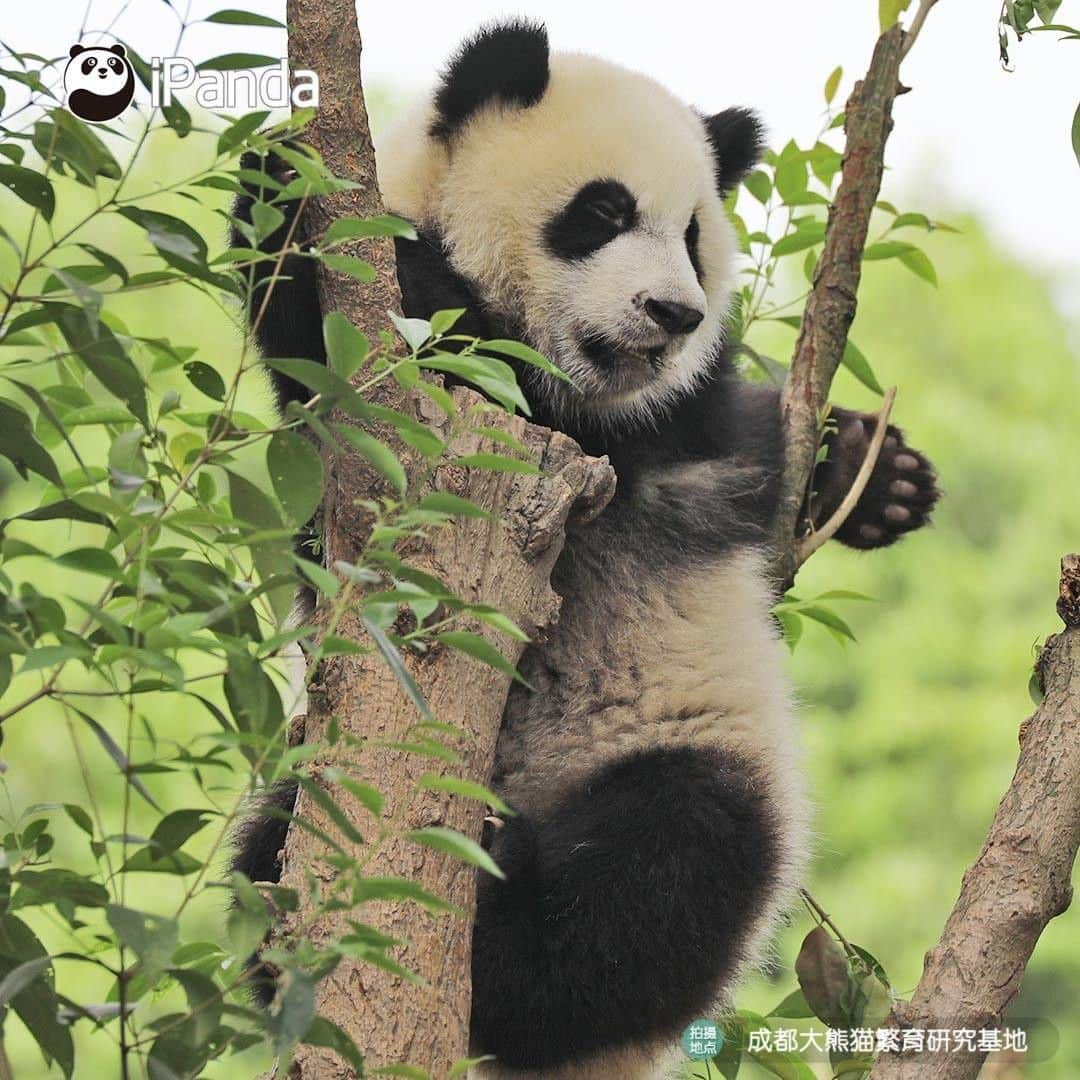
(509, 170)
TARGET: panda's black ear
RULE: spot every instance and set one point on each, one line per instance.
(75, 50)
(738, 140)
(118, 49)
(506, 62)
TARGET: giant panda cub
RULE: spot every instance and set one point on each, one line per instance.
(661, 822)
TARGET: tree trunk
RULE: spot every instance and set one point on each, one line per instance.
(505, 562)
(1021, 878)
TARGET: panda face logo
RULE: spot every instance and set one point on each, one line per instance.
(100, 82)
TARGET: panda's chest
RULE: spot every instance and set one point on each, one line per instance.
(639, 660)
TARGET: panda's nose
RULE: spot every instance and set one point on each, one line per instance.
(672, 317)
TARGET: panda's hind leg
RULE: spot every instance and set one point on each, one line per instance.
(624, 911)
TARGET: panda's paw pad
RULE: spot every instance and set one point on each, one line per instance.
(900, 494)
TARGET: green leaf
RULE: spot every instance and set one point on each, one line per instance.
(414, 331)
(322, 1032)
(832, 84)
(234, 17)
(346, 347)
(175, 241)
(19, 978)
(823, 976)
(238, 62)
(445, 502)
(378, 454)
(117, 755)
(40, 887)
(368, 797)
(480, 649)
(790, 177)
(239, 131)
(497, 463)
(176, 828)
(799, 240)
(759, 185)
(1076, 134)
(90, 561)
(272, 556)
(889, 11)
(248, 920)
(294, 1010)
(36, 1005)
(360, 269)
(396, 890)
(854, 360)
(793, 1007)
(348, 228)
(828, 619)
(394, 661)
(918, 262)
(525, 354)
(464, 1065)
(451, 842)
(21, 447)
(152, 938)
(74, 148)
(205, 379)
(296, 471)
(97, 347)
(30, 186)
(467, 789)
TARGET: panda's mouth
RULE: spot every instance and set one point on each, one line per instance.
(614, 356)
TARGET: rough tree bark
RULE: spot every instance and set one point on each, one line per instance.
(1021, 878)
(506, 563)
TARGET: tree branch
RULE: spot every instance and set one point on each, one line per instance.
(505, 562)
(1021, 878)
(830, 308)
(806, 547)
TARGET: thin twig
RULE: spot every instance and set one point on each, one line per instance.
(806, 547)
(826, 920)
(912, 31)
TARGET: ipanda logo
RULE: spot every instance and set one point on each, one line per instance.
(100, 84)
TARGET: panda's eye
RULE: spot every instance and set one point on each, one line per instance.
(89, 64)
(114, 64)
(692, 238)
(598, 212)
(608, 211)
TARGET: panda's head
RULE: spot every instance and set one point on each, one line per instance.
(585, 203)
(100, 82)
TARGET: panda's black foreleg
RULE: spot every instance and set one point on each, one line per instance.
(285, 316)
(624, 911)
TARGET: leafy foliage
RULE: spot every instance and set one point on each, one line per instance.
(1018, 18)
(170, 511)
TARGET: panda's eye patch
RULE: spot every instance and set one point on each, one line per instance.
(597, 213)
(692, 238)
(114, 64)
(89, 64)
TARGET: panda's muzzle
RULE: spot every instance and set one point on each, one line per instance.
(608, 355)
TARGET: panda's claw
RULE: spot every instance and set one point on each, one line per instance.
(899, 497)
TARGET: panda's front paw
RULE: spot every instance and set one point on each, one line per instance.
(899, 497)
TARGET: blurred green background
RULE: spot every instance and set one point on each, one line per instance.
(911, 734)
